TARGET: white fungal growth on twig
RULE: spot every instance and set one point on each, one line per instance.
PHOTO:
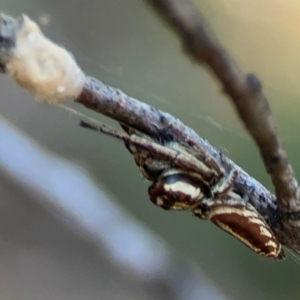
(46, 70)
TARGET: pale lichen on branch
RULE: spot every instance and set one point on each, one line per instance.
(46, 70)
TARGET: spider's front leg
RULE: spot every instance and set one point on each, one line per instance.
(154, 155)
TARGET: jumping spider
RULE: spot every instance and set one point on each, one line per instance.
(182, 181)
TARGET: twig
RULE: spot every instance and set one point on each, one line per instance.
(20, 54)
(245, 91)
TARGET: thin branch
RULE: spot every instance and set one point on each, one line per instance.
(245, 91)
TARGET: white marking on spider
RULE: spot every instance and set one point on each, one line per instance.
(181, 172)
(184, 188)
(271, 243)
(159, 201)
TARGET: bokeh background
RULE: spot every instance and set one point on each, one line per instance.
(123, 43)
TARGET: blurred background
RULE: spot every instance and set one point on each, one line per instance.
(50, 249)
